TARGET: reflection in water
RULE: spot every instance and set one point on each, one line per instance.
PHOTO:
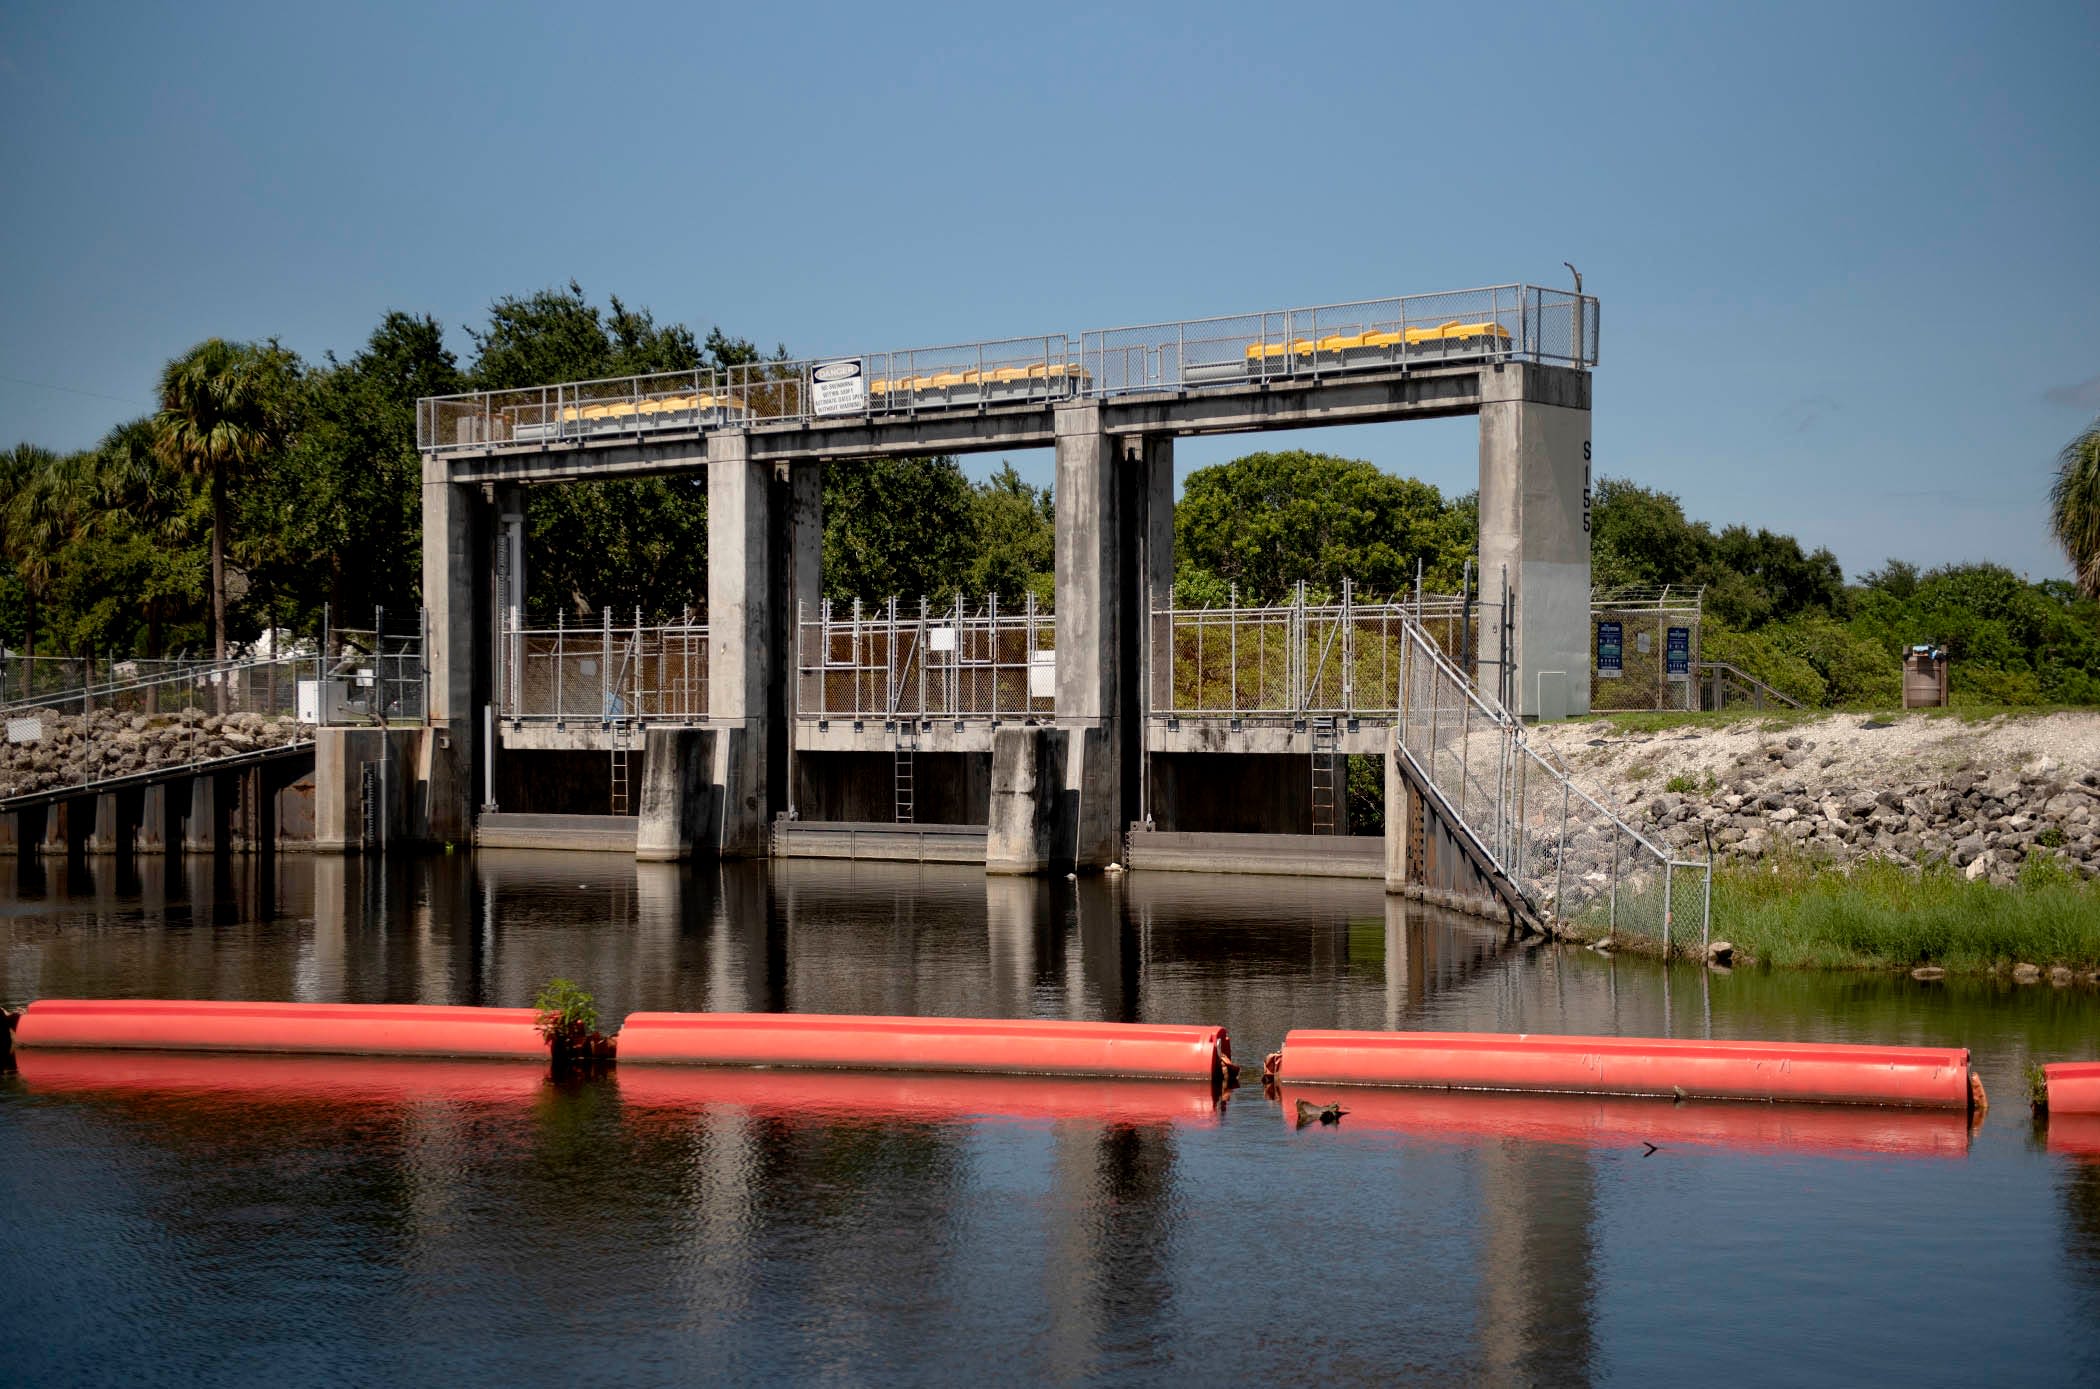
(756, 1225)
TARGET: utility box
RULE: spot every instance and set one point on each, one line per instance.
(1924, 678)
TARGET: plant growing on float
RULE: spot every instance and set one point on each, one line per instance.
(568, 1019)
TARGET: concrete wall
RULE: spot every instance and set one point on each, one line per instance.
(949, 788)
(1213, 793)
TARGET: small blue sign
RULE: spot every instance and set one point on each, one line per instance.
(1611, 645)
(1677, 653)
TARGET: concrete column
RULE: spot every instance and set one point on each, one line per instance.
(1099, 553)
(204, 832)
(456, 593)
(805, 543)
(1027, 781)
(507, 596)
(1151, 469)
(159, 828)
(744, 685)
(1534, 526)
(676, 797)
(62, 829)
(1397, 792)
(108, 833)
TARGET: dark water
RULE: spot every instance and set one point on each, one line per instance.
(296, 1222)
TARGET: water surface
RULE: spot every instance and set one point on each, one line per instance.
(290, 1222)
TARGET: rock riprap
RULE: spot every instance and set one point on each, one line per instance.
(1982, 798)
(78, 748)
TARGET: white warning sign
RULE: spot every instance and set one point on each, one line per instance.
(838, 388)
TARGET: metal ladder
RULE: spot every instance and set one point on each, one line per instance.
(619, 769)
(1326, 776)
(907, 743)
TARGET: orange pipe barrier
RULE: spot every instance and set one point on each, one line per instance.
(328, 1078)
(849, 1095)
(2072, 1087)
(1926, 1077)
(362, 1029)
(1617, 1121)
(988, 1045)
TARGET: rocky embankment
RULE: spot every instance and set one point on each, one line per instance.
(75, 748)
(1913, 789)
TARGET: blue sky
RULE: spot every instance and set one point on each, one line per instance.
(1847, 253)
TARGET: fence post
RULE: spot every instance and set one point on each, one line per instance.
(423, 666)
(1706, 907)
(561, 642)
(605, 694)
(378, 664)
(1668, 866)
(1560, 864)
(1612, 920)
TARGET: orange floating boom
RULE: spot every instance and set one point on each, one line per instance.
(2072, 1087)
(984, 1045)
(1926, 1077)
(352, 1029)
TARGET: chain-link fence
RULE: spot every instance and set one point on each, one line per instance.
(634, 672)
(1302, 658)
(958, 661)
(1511, 322)
(1570, 857)
(1644, 648)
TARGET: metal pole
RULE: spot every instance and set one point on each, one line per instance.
(605, 666)
(561, 642)
(1706, 907)
(1560, 866)
(1612, 921)
(1667, 868)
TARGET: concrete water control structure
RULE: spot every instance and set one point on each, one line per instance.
(1059, 784)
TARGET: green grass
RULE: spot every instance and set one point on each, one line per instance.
(1792, 914)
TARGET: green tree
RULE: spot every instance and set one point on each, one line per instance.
(1013, 540)
(224, 408)
(1265, 521)
(2074, 508)
(339, 518)
(898, 527)
(44, 495)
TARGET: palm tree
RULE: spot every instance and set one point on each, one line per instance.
(2074, 508)
(224, 406)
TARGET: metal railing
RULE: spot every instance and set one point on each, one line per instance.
(954, 662)
(1723, 686)
(1570, 857)
(635, 672)
(1342, 659)
(1511, 322)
